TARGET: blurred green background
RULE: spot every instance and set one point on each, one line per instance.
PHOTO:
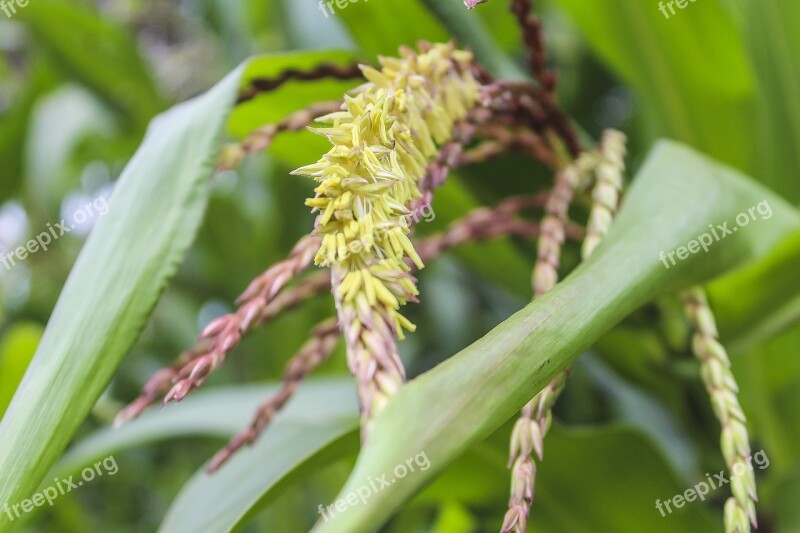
(79, 82)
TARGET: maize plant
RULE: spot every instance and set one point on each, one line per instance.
(526, 279)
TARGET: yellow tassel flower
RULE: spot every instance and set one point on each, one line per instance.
(382, 139)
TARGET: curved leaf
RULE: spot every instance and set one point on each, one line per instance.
(319, 424)
(285, 453)
(153, 214)
(220, 412)
(676, 195)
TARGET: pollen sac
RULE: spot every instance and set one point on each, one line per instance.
(382, 140)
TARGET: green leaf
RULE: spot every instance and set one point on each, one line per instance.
(154, 212)
(383, 27)
(589, 468)
(674, 198)
(774, 44)
(97, 52)
(758, 302)
(595, 469)
(218, 413)
(16, 352)
(690, 70)
(319, 426)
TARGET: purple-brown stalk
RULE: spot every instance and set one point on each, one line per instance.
(533, 36)
(323, 71)
(315, 352)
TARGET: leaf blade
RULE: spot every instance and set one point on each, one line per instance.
(153, 215)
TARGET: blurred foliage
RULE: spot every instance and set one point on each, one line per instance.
(80, 81)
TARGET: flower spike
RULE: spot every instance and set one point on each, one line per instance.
(383, 139)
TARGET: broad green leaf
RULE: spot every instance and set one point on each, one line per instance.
(454, 518)
(690, 70)
(595, 469)
(16, 351)
(768, 378)
(758, 302)
(319, 426)
(587, 468)
(382, 27)
(774, 45)
(318, 423)
(154, 212)
(676, 195)
(98, 53)
(218, 413)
